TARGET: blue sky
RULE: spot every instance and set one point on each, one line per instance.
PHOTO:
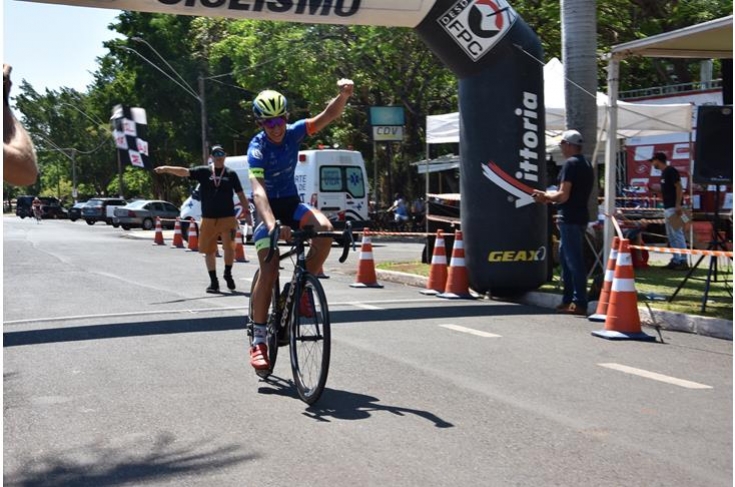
(52, 46)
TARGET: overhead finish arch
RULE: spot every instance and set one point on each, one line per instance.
(501, 104)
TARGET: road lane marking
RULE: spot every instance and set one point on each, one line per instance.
(365, 306)
(123, 314)
(463, 329)
(655, 376)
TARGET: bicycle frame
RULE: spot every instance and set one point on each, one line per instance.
(306, 332)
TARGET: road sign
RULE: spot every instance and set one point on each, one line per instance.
(387, 133)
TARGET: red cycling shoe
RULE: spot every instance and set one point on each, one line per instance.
(259, 357)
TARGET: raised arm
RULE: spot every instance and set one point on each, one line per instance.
(19, 157)
(335, 107)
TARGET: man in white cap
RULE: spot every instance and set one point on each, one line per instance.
(571, 197)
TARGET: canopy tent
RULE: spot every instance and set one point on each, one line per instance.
(634, 120)
(708, 40)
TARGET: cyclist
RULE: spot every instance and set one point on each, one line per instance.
(272, 158)
(37, 209)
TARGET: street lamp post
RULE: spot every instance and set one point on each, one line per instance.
(183, 84)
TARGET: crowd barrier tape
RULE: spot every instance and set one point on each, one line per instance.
(667, 250)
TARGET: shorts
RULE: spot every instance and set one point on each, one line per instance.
(291, 212)
(212, 228)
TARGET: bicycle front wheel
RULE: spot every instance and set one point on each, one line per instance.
(273, 318)
(310, 339)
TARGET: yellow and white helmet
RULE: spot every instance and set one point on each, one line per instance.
(269, 104)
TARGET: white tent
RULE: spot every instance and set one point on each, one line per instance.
(634, 120)
(708, 40)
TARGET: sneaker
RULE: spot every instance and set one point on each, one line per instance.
(213, 288)
(679, 266)
(230, 283)
(574, 309)
(306, 309)
(259, 357)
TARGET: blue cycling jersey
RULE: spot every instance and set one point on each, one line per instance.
(276, 163)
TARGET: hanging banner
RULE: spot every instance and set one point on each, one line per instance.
(390, 13)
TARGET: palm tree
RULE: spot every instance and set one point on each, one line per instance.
(579, 47)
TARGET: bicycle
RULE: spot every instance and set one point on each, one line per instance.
(308, 337)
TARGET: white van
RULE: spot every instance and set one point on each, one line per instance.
(335, 181)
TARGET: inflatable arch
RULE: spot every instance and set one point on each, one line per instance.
(492, 50)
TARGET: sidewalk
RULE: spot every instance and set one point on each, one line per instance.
(666, 320)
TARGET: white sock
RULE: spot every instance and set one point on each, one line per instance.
(259, 334)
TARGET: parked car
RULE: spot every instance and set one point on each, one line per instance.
(96, 209)
(143, 213)
(75, 212)
(51, 207)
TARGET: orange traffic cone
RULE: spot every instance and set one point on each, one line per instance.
(366, 268)
(239, 248)
(622, 321)
(193, 236)
(438, 270)
(600, 313)
(158, 238)
(458, 286)
(178, 241)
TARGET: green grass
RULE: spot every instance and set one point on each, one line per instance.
(654, 285)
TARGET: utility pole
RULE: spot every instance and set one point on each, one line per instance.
(74, 192)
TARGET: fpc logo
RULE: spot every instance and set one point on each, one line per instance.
(477, 25)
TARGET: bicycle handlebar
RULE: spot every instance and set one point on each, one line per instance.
(308, 232)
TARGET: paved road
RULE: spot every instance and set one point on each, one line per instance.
(120, 370)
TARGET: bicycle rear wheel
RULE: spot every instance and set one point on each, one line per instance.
(272, 330)
(310, 339)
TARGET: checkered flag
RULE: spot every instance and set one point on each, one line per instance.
(129, 128)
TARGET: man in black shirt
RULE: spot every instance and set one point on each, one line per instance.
(216, 185)
(672, 192)
(575, 184)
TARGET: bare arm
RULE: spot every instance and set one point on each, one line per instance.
(19, 156)
(245, 207)
(559, 196)
(182, 172)
(335, 107)
(679, 197)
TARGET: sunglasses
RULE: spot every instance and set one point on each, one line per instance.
(271, 123)
(218, 153)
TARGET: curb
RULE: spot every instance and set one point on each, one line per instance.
(666, 320)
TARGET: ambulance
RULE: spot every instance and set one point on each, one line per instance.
(332, 180)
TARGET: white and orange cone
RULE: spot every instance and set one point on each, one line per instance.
(366, 268)
(178, 241)
(458, 286)
(601, 312)
(193, 236)
(438, 271)
(158, 237)
(622, 321)
(239, 248)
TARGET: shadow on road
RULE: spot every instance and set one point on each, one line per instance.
(343, 405)
(133, 464)
(228, 323)
(347, 405)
